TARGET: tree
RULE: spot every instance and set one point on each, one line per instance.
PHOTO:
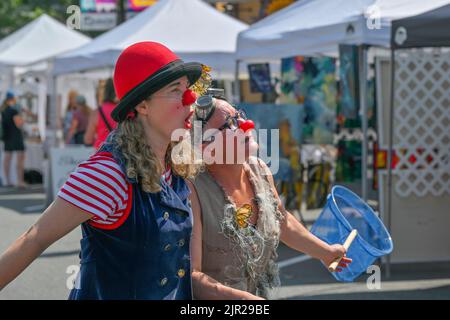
(14, 14)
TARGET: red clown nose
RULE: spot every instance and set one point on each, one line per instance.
(247, 125)
(189, 97)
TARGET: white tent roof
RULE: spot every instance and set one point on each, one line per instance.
(193, 29)
(310, 27)
(41, 39)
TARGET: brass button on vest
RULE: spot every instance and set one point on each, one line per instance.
(166, 216)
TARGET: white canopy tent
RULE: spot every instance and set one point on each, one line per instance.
(39, 40)
(194, 30)
(316, 27)
(30, 50)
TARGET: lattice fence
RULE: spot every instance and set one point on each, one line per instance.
(422, 122)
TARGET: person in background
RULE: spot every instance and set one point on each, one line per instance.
(79, 122)
(100, 122)
(71, 107)
(12, 123)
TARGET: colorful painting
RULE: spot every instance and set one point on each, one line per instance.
(348, 84)
(311, 81)
(293, 89)
(260, 78)
(348, 164)
(348, 109)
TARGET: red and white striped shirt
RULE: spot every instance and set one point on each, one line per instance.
(167, 175)
(98, 186)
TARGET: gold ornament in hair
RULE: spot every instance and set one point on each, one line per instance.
(204, 82)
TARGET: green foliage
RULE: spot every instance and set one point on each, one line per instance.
(14, 14)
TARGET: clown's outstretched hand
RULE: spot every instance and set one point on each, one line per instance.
(337, 251)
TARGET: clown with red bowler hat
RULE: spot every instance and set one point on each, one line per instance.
(130, 198)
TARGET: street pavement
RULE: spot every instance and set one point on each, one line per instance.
(49, 276)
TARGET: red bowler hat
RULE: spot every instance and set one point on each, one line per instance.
(142, 69)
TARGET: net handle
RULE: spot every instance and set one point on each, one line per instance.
(332, 267)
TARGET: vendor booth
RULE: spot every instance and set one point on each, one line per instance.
(417, 185)
(25, 61)
(306, 35)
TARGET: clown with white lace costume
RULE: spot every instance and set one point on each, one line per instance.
(239, 218)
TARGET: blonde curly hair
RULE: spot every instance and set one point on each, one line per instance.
(141, 162)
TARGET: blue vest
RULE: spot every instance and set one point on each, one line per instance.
(147, 257)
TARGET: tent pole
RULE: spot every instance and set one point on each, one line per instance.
(228, 86)
(237, 87)
(389, 160)
(11, 78)
(363, 104)
(51, 137)
(52, 102)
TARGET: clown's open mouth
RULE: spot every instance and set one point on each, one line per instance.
(187, 121)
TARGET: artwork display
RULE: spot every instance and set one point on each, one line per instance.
(311, 81)
(260, 78)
